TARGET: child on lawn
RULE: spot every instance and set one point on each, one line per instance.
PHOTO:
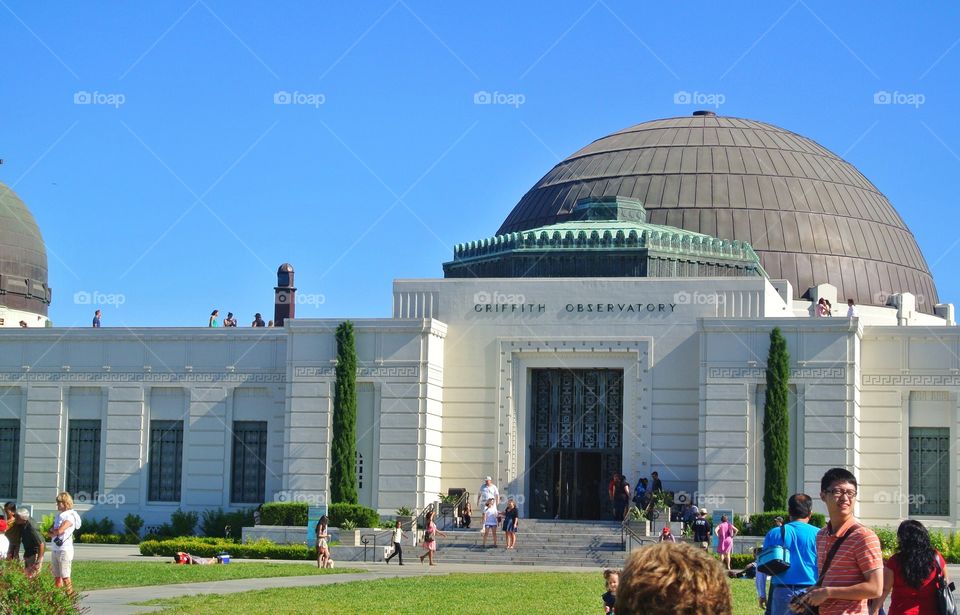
(612, 578)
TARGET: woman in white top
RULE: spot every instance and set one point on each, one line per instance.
(490, 518)
(397, 539)
(64, 525)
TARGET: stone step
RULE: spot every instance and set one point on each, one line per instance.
(546, 531)
(614, 560)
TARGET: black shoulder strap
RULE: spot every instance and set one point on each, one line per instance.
(783, 534)
(832, 552)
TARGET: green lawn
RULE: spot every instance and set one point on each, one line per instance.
(540, 593)
(88, 575)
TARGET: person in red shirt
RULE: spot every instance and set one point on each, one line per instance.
(855, 574)
(911, 573)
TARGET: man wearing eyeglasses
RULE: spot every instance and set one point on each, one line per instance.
(854, 575)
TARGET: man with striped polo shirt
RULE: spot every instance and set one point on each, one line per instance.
(854, 573)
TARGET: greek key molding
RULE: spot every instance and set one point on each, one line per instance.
(141, 377)
(759, 373)
(409, 371)
(911, 380)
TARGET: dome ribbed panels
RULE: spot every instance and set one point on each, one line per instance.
(23, 257)
(811, 216)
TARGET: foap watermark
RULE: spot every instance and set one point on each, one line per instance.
(699, 499)
(82, 297)
(108, 99)
(497, 297)
(899, 497)
(310, 498)
(307, 99)
(519, 498)
(708, 99)
(484, 97)
(314, 299)
(99, 498)
(883, 97)
(698, 298)
(889, 298)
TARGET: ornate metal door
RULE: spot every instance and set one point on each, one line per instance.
(576, 441)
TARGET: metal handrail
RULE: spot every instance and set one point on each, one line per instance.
(455, 507)
(366, 545)
(628, 535)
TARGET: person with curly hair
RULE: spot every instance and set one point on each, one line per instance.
(911, 574)
(670, 578)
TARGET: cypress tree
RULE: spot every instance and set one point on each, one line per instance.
(776, 424)
(343, 447)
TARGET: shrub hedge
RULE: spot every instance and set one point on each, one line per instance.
(184, 523)
(740, 560)
(761, 523)
(35, 596)
(358, 514)
(214, 522)
(107, 539)
(284, 513)
(90, 525)
(209, 547)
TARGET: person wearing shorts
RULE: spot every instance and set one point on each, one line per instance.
(323, 550)
(701, 530)
(65, 524)
(490, 517)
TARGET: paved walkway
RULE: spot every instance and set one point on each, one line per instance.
(118, 601)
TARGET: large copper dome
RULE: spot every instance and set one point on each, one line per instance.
(811, 216)
(23, 257)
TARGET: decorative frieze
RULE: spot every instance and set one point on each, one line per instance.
(405, 371)
(759, 373)
(911, 380)
(144, 377)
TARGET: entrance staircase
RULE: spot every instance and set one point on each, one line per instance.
(595, 544)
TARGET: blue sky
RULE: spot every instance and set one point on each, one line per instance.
(181, 185)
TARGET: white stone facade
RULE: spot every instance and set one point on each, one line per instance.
(444, 394)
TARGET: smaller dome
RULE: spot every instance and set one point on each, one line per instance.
(23, 257)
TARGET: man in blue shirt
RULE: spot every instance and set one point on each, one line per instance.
(800, 539)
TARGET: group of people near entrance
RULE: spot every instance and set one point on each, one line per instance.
(836, 570)
(618, 491)
(19, 531)
(509, 518)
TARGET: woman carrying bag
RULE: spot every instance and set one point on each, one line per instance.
(912, 574)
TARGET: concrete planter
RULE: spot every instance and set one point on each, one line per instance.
(640, 526)
(352, 538)
(277, 534)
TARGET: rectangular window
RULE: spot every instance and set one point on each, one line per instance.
(929, 471)
(248, 481)
(9, 458)
(166, 459)
(83, 458)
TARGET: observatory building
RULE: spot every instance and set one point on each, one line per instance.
(617, 321)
